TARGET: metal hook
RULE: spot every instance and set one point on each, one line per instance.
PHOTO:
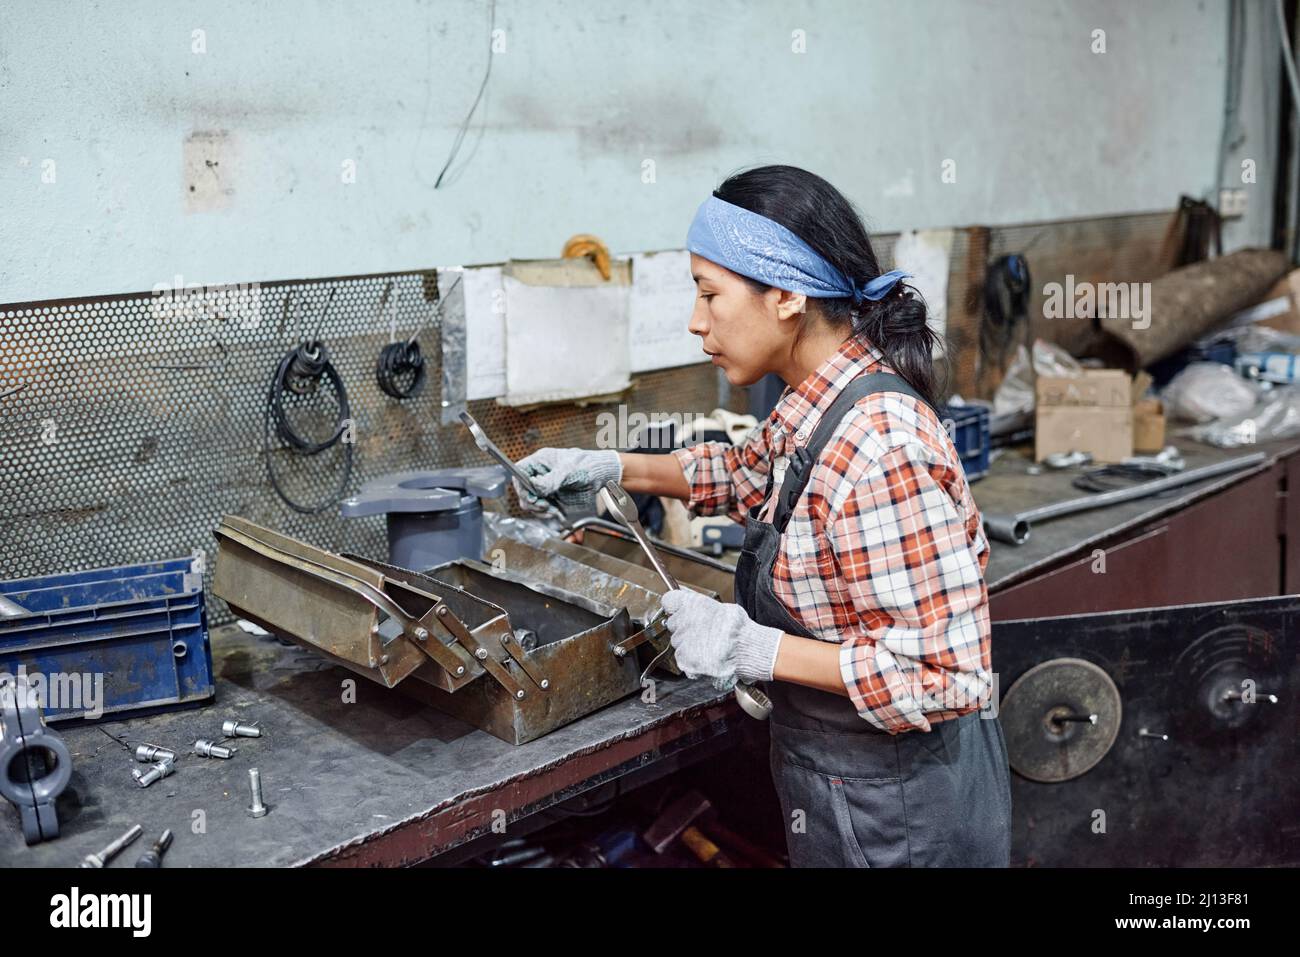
(437, 309)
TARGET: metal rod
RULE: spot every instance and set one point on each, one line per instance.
(1015, 528)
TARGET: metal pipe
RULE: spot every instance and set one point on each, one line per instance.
(1014, 529)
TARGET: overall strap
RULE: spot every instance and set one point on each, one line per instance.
(802, 460)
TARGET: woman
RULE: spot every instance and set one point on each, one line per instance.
(860, 595)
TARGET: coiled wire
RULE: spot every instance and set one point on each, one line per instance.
(301, 372)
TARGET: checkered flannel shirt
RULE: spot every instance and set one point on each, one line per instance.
(884, 552)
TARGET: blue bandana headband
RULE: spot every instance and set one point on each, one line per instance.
(755, 246)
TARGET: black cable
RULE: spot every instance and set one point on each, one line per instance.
(301, 372)
(464, 127)
(1093, 479)
(400, 370)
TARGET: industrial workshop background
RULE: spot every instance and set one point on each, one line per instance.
(191, 193)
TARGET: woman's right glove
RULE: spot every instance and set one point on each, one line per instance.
(571, 477)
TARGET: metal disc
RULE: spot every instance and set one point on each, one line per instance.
(1041, 744)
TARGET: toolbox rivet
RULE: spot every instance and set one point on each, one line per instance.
(546, 683)
(505, 639)
(519, 694)
(481, 654)
(460, 669)
(383, 659)
(442, 611)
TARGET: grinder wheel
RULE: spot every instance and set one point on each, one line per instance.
(1040, 714)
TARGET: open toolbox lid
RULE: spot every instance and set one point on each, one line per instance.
(516, 658)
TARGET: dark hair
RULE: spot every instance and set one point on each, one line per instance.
(821, 216)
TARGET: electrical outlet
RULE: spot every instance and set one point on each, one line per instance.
(1232, 203)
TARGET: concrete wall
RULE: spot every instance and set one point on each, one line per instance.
(134, 148)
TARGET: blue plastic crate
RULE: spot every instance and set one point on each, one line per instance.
(140, 629)
(968, 425)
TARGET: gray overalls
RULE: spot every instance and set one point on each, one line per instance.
(853, 795)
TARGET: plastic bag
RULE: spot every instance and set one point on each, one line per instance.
(1016, 392)
(1205, 391)
(1277, 417)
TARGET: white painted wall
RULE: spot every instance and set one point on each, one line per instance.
(1040, 127)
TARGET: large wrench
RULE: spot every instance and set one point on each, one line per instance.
(619, 504)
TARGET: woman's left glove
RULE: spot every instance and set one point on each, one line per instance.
(719, 641)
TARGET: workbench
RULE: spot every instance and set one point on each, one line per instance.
(384, 780)
(388, 781)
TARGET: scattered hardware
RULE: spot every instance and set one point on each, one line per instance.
(35, 765)
(107, 854)
(257, 808)
(1066, 460)
(146, 753)
(233, 729)
(156, 773)
(1014, 529)
(207, 749)
(153, 856)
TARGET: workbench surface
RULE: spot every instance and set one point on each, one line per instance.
(1008, 488)
(385, 780)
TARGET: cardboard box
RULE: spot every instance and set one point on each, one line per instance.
(1148, 426)
(1091, 412)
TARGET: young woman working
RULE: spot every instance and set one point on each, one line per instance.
(860, 595)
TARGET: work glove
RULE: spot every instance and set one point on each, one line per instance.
(570, 477)
(719, 640)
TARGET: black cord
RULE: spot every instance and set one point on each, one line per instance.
(400, 370)
(1093, 479)
(464, 127)
(301, 373)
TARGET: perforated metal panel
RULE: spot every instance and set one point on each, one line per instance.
(138, 423)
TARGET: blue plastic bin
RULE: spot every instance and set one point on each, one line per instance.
(130, 639)
(968, 425)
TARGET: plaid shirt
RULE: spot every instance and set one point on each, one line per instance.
(884, 552)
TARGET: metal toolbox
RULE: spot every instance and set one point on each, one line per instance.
(138, 633)
(515, 659)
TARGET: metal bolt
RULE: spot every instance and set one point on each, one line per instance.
(383, 659)
(153, 856)
(257, 808)
(156, 773)
(421, 634)
(620, 652)
(481, 654)
(110, 852)
(233, 729)
(151, 752)
(209, 750)
(442, 611)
